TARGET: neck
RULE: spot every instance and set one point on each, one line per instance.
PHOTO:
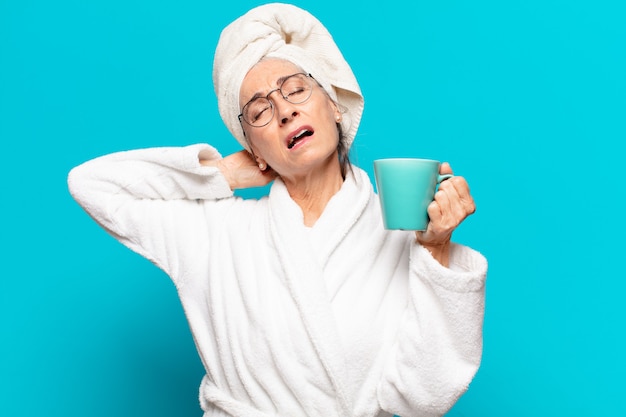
(313, 190)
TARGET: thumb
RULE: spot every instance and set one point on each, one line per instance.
(445, 168)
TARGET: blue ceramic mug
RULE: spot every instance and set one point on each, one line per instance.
(406, 186)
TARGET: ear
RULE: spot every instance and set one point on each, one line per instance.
(261, 163)
(336, 112)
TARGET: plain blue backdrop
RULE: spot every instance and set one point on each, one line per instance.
(526, 99)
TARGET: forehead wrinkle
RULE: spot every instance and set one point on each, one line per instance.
(279, 82)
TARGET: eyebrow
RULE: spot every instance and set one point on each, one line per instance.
(282, 79)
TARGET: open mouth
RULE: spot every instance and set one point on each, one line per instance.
(298, 137)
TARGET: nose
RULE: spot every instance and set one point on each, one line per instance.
(285, 110)
(286, 118)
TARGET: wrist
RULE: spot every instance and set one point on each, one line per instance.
(226, 172)
(219, 164)
(440, 252)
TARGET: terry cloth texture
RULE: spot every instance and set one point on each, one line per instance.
(285, 32)
(343, 319)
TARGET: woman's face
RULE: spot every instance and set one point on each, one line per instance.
(313, 122)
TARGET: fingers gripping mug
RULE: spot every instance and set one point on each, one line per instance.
(406, 186)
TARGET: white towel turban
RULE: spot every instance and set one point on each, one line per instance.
(286, 32)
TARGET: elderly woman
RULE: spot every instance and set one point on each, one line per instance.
(300, 303)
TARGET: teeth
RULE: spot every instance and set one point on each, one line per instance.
(301, 134)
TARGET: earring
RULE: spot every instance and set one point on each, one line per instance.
(262, 166)
(338, 118)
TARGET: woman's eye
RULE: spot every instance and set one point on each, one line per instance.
(296, 91)
(259, 113)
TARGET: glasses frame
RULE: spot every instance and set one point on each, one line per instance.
(267, 97)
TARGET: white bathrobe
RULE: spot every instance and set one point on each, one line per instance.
(341, 319)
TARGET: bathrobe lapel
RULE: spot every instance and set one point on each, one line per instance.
(305, 273)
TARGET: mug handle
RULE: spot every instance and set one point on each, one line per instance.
(441, 178)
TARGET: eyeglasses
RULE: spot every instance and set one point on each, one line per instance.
(295, 88)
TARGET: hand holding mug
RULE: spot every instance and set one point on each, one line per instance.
(452, 203)
(423, 195)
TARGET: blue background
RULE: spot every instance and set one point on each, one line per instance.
(526, 99)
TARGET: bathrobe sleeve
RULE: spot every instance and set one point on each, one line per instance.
(152, 200)
(439, 348)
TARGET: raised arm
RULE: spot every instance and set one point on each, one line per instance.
(151, 200)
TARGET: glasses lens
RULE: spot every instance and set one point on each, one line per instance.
(258, 112)
(296, 89)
